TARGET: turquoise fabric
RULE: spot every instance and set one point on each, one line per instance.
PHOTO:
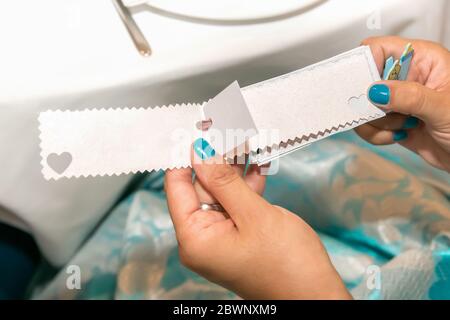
(382, 213)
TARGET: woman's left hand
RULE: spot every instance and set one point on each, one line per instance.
(257, 250)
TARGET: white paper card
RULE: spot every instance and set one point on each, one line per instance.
(232, 123)
(288, 112)
(319, 100)
(115, 141)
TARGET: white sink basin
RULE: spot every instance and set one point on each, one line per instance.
(230, 10)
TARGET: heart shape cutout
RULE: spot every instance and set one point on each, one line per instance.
(360, 104)
(59, 162)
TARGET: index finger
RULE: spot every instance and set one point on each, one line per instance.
(181, 196)
(384, 47)
(427, 55)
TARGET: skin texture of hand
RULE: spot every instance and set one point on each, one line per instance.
(425, 95)
(255, 249)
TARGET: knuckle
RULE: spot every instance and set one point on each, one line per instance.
(380, 139)
(368, 133)
(446, 105)
(415, 91)
(222, 176)
(418, 98)
(378, 142)
(369, 40)
(409, 98)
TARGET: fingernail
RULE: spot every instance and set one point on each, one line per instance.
(400, 135)
(379, 94)
(203, 149)
(411, 123)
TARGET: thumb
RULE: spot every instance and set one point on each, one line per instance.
(409, 98)
(226, 185)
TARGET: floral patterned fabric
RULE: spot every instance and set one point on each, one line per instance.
(382, 213)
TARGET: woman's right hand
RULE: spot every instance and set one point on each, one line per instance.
(420, 117)
(256, 249)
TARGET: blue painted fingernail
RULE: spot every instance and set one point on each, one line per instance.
(411, 123)
(379, 94)
(203, 149)
(400, 135)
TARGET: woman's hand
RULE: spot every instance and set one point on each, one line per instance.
(420, 118)
(255, 249)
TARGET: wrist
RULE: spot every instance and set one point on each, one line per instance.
(315, 283)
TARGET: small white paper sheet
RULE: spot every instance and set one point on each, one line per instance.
(231, 122)
(282, 114)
